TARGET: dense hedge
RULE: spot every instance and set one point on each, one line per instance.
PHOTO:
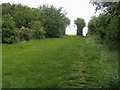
(105, 26)
(25, 23)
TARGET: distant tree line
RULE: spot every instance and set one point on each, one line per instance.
(105, 26)
(21, 23)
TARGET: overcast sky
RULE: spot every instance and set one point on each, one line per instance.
(74, 9)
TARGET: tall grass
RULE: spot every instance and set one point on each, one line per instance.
(102, 65)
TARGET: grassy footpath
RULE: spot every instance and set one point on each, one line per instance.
(70, 62)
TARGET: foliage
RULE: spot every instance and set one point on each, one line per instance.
(45, 21)
(38, 30)
(10, 33)
(25, 34)
(53, 20)
(80, 25)
(105, 26)
(22, 15)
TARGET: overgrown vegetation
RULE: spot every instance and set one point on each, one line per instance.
(25, 23)
(105, 26)
(71, 62)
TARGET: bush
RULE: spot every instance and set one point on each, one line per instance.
(10, 33)
(25, 34)
(106, 25)
(38, 30)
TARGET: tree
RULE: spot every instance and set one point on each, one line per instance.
(80, 24)
(53, 20)
(22, 15)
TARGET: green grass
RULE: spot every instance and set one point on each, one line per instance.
(70, 62)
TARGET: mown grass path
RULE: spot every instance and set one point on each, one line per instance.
(71, 62)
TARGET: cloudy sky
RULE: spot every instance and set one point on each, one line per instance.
(74, 9)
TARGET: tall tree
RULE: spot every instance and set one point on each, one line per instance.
(80, 24)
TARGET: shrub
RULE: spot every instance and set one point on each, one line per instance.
(38, 30)
(25, 34)
(10, 33)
